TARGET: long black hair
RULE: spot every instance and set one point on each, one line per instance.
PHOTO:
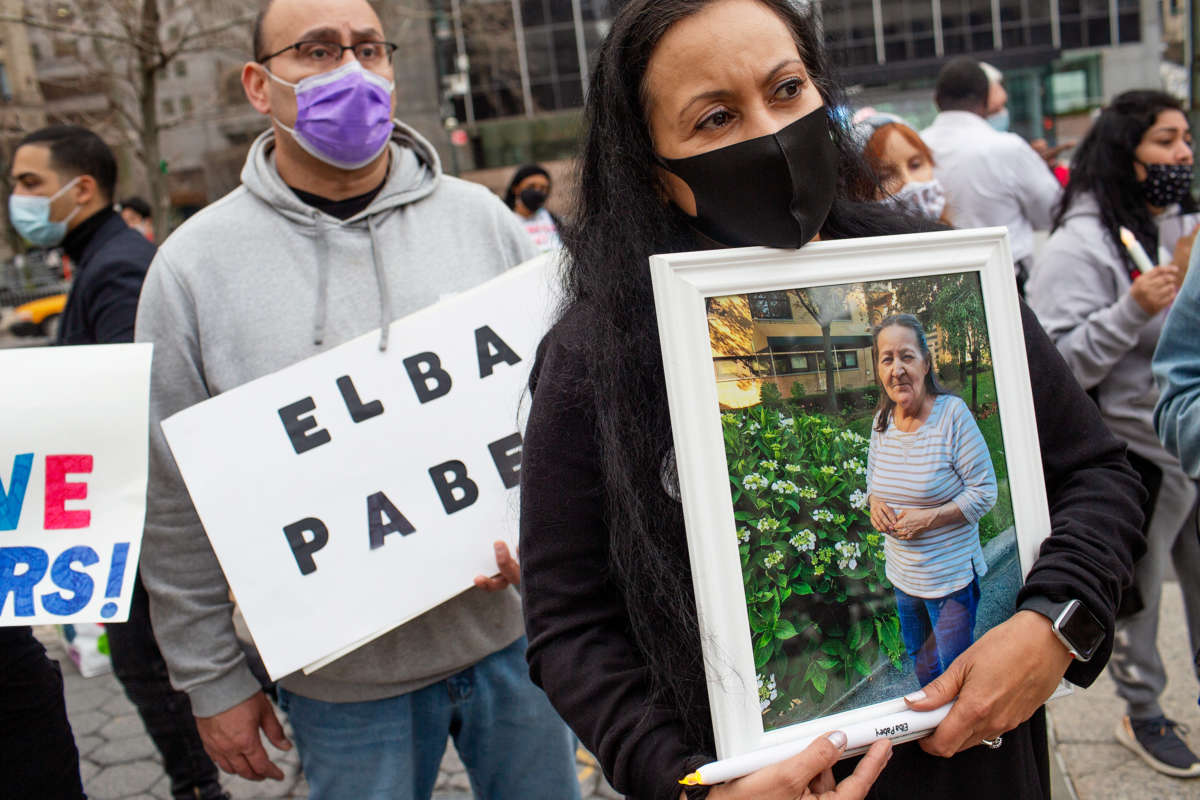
(883, 412)
(1103, 167)
(620, 220)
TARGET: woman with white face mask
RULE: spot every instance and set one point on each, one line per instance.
(903, 164)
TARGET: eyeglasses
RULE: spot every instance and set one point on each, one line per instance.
(326, 54)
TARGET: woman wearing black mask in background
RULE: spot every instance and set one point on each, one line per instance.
(526, 195)
(1133, 169)
(706, 125)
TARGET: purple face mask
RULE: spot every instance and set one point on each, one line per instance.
(343, 117)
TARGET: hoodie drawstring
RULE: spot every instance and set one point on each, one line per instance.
(385, 296)
(322, 286)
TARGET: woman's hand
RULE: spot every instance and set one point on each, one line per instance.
(809, 776)
(883, 516)
(1183, 252)
(999, 682)
(912, 522)
(1154, 290)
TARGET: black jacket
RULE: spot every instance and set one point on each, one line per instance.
(580, 650)
(110, 261)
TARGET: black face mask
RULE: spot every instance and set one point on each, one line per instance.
(1166, 183)
(532, 198)
(775, 190)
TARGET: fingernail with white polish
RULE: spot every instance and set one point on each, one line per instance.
(916, 696)
(838, 738)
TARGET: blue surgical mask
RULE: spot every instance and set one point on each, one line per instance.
(999, 120)
(30, 215)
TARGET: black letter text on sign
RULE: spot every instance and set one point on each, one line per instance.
(359, 410)
(491, 350)
(506, 453)
(450, 476)
(378, 506)
(296, 425)
(425, 369)
(302, 548)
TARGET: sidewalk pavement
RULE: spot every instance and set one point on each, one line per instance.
(1095, 765)
(118, 761)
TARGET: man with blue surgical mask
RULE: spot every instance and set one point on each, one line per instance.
(64, 177)
(344, 222)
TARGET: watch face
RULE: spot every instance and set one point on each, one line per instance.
(1081, 629)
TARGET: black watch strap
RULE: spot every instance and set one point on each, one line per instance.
(1072, 622)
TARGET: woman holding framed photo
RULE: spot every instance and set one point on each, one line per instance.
(707, 125)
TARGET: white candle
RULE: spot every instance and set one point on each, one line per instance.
(1135, 250)
(903, 724)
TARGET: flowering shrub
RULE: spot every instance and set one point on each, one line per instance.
(820, 605)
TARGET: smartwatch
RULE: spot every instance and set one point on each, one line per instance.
(1074, 625)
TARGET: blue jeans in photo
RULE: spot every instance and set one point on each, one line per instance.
(512, 743)
(937, 630)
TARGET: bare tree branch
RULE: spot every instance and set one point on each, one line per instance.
(73, 31)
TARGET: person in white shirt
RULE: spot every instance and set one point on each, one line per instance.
(991, 178)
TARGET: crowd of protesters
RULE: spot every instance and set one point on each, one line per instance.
(707, 125)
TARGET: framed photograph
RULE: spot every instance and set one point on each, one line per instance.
(844, 550)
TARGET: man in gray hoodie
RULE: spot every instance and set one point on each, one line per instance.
(343, 223)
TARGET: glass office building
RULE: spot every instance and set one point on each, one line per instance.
(504, 60)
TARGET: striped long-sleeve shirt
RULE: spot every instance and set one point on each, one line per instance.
(944, 460)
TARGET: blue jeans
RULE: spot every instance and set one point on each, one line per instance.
(511, 741)
(937, 630)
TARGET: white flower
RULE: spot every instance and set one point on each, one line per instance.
(854, 465)
(767, 524)
(753, 427)
(793, 468)
(766, 691)
(772, 559)
(848, 552)
(784, 487)
(786, 422)
(858, 499)
(823, 515)
(808, 493)
(829, 469)
(743, 535)
(754, 481)
(768, 465)
(804, 541)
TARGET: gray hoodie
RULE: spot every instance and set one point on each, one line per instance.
(258, 281)
(1079, 289)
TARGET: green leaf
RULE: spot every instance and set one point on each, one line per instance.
(801, 589)
(761, 656)
(827, 662)
(820, 680)
(860, 666)
(785, 630)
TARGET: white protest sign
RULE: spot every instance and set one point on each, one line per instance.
(359, 488)
(73, 456)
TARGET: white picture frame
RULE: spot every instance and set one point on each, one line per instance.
(683, 284)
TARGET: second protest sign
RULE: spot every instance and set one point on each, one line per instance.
(359, 488)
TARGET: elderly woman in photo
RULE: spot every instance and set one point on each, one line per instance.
(930, 480)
